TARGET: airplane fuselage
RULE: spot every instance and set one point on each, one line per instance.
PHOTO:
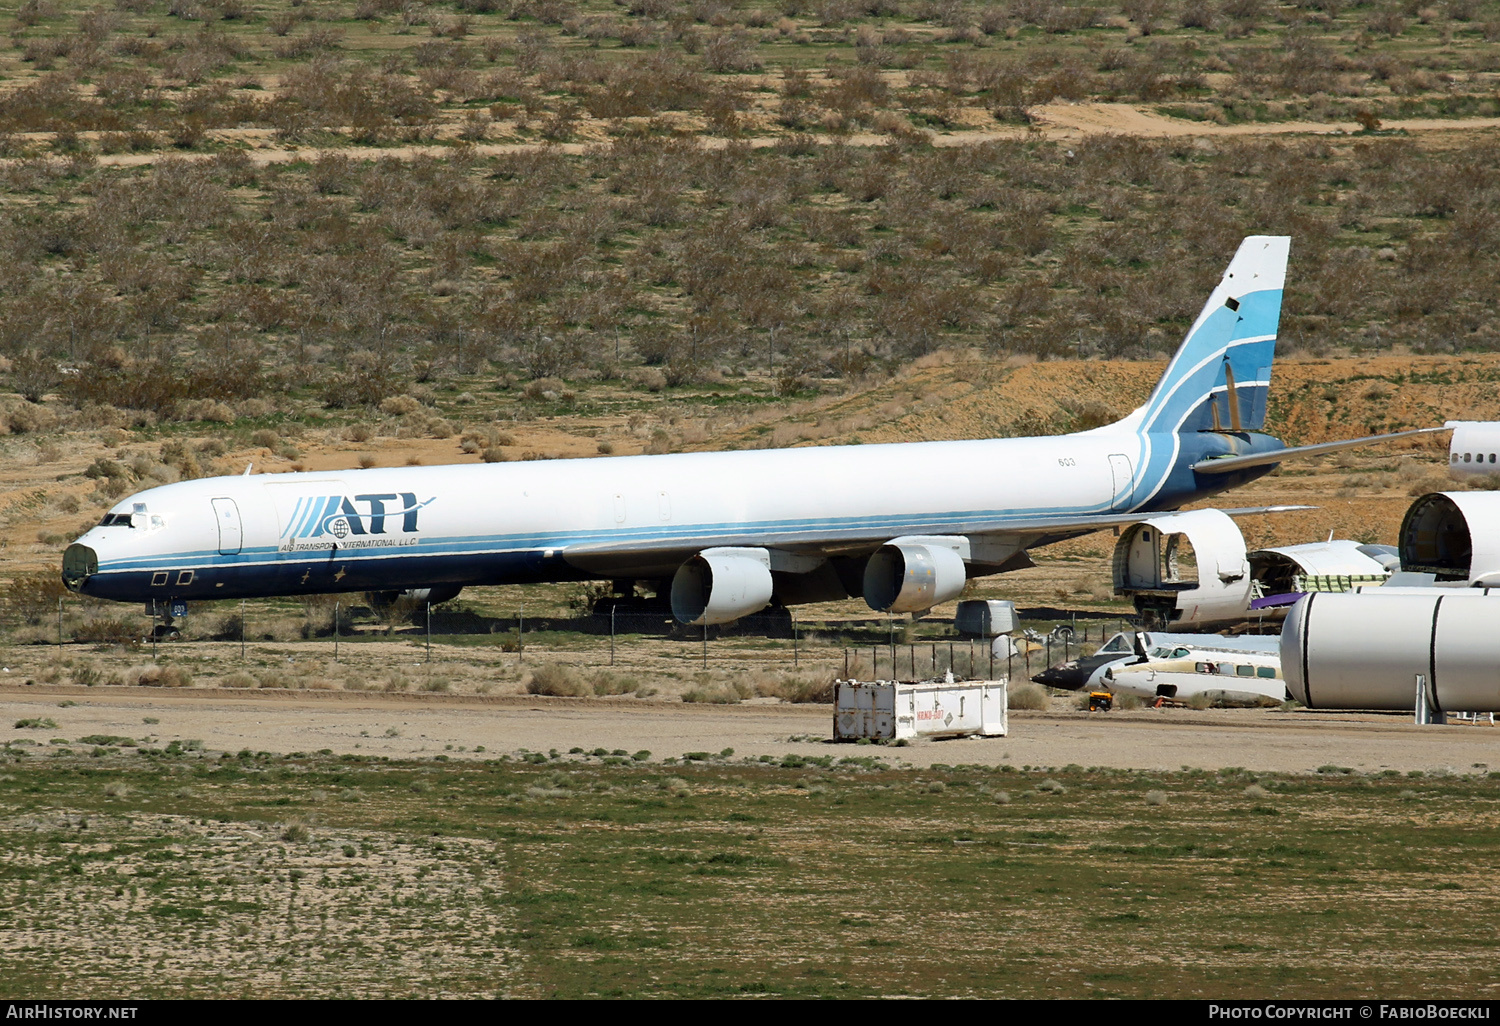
(637, 516)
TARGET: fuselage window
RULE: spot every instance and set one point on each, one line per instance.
(158, 579)
(115, 520)
(1455, 457)
(1268, 672)
(1245, 671)
(185, 577)
(1468, 457)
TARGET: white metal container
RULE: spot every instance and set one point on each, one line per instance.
(936, 709)
(976, 618)
(1365, 651)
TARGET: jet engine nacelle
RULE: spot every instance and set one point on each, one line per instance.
(913, 574)
(1455, 535)
(421, 596)
(721, 585)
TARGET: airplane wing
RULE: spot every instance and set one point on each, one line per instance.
(1224, 464)
(605, 556)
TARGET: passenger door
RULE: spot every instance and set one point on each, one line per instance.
(231, 534)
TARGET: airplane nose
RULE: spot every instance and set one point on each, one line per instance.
(79, 564)
(1068, 676)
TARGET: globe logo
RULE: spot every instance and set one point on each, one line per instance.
(339, 527)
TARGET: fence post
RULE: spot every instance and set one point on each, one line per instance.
(521, 634)
(336, 607)
(891, 624)
(794, 638)
(612, 609)
(242, 630)
(429, 633)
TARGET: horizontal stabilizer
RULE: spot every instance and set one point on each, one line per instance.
(1224, 464)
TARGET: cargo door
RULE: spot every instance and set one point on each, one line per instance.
(231, 534)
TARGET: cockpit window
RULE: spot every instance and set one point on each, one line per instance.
(1118, 643)
(115, 520)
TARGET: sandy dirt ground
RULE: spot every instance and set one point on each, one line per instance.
(402, 727)
(1063, 122)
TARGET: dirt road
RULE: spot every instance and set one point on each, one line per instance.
(468, 727)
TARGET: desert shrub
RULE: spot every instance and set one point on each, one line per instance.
(239, 679)
(558, 679)
(712, 694)
(28, 419)
(1028, 696)
(107, 630)
(791, 687)
(31, 598)
(162, 675)
(607, 682)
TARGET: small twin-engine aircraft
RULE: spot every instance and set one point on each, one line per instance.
(1131, 650)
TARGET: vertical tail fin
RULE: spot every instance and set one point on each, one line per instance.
(1219, 377)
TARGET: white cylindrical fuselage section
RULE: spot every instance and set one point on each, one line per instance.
(1474, 448)
(1365, 651)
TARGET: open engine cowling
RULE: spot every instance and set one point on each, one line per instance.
(908, 575)
(721, 585)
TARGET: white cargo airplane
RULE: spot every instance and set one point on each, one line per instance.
(904, 525)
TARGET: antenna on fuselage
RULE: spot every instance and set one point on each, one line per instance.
(248, 467)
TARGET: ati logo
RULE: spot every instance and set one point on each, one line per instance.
(340, 516)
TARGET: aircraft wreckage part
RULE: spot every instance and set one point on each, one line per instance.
(1455, 535)
(1365, 651)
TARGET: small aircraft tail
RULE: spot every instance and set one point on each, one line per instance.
(1220, 375)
